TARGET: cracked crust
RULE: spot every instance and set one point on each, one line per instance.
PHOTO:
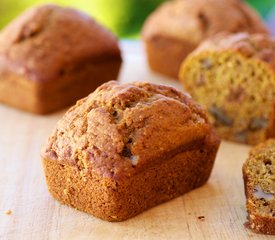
(120, 133)
(177, 27)
(118, 122)
(54, 51)
(259, 183)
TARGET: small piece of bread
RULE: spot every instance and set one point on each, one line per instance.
(177, 27)
(51, 56)
(233, 77)
(259, 182)
(8, 212)
(126, 148)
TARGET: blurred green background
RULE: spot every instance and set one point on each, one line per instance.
(123, 17)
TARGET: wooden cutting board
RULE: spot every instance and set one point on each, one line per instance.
(214, 211)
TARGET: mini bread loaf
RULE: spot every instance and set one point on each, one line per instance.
(177, 27)
(51, 56)
(233, 77)
(126, 148)
(259, 182)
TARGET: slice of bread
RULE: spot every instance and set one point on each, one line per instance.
(259, 181)
(233, 77)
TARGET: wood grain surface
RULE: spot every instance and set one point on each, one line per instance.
(214, 211)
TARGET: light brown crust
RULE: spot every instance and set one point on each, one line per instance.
(140, 138)
(256, 174)
(53, 59)
(189, 23)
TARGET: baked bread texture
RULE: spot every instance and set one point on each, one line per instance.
(51, 56)
(177, 27)
(126, 148)
(259, 182)
(233, 77)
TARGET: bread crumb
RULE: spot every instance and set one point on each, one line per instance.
(8, 212)
(202, 218)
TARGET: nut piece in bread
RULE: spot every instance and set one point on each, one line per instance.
(126, 148)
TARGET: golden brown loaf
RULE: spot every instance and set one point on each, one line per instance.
(233, 77)
(177, 27)
(51, 56)
(259, 181)
(126, 148)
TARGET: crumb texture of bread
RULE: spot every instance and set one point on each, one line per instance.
(259, 182)
(50, 50)
(133, 146)
(177, 27)
(233, 77)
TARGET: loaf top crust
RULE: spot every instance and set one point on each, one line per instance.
(121, 130)
(45, 39)
(259, 46)
(195, 20)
